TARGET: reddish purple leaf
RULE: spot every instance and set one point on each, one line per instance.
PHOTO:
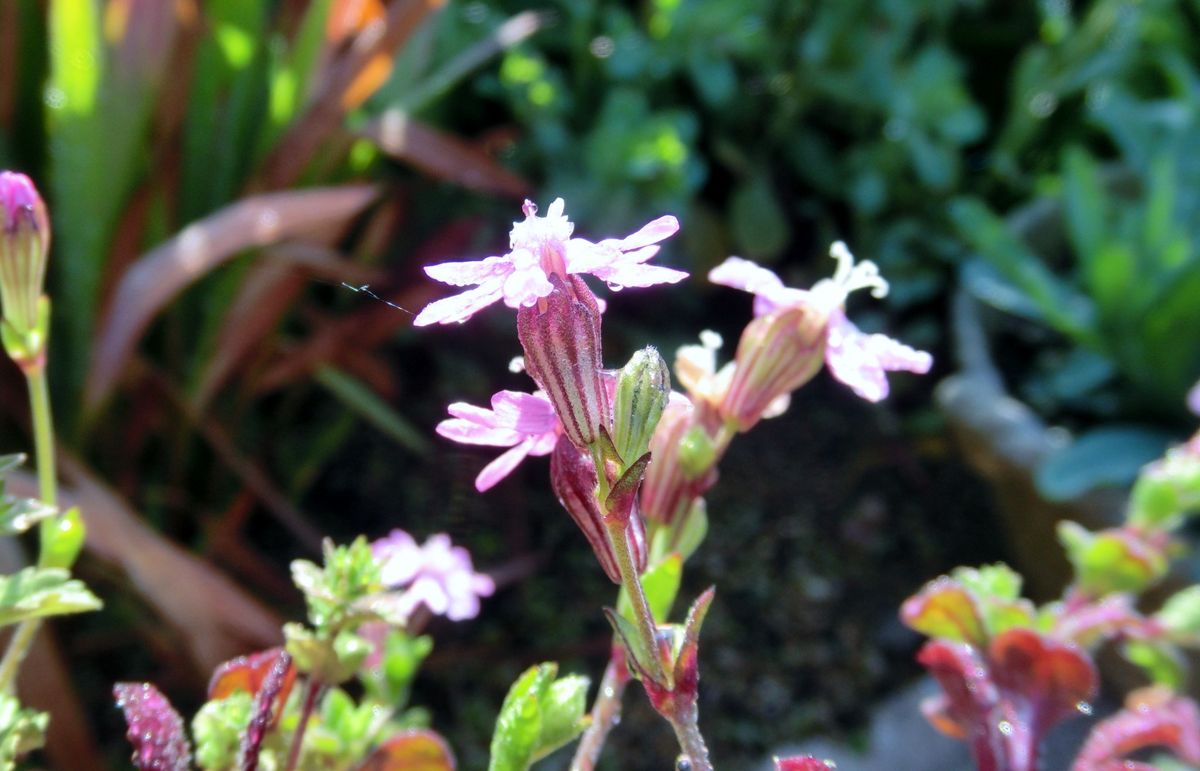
(155, 728)
(1054, 678)
(1153, 717)
(970, 706)
(249, 674)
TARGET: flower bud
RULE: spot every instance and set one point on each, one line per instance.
(561, 338)
(642, 390)
(24, 245)
(573, 477)
(665, 490)
(778, 353)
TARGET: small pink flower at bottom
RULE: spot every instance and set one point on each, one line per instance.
(859, 360)
(524, 422)
(436, 574)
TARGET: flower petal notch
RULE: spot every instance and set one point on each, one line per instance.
(523, 422)
(540, 248)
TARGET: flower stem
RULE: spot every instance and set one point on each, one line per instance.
(687, 732)
(43, 441)
(43, 434)
(310, 702)
(606, 713)
(17, 648)
(633, 587)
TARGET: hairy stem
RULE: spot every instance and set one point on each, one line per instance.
(632, 584)
(17, 648)
(606, 713)
(687, 732)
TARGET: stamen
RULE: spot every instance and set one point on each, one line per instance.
(850, 276)
(529, 208)
(711, 340)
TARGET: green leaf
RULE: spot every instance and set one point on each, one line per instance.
(643, 657)
(1107, 456)
(945, 609)
(1166, 491)
(17, 515)
(1162, 662)
(1180, 615)
(11, 462)
(1114, 560)
(22, 730)
(563, 713)
(402, 656)
(519, 724)
(40, 592)
(217, 730)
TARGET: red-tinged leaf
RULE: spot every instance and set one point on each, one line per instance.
(687, 662)
(249, 674)
(944, 609)
(971, 704)
(1057, 678)
(1092, 623)
(803, 764)
(264, 714)
(164, 272)
(416, 750)
(155, 728)
(1152, 717)
(442, 155)
(1114, 560)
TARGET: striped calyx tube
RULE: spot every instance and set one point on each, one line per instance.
(561, 338)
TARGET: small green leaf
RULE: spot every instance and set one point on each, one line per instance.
(643, 658)
(1160, 660)
(40, 592)
(519, 724)
(1114, 560)
(10, 462)
(563, 713)
(22, 730)
(946, 610)
(218, 728)
(17, 515)
(1180, 615)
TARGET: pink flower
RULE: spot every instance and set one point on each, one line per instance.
(859, 360)
(436, 574)
(1193, 399)
(524, 422)
(540, 247)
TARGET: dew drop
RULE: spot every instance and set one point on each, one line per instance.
(1005, 727)
(1084, 708)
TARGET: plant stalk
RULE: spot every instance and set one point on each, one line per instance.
(310, 702)
(633, 587)
(43, 442)
(606, 713)
(687, 731)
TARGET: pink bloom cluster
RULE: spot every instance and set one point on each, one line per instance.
(540, 247)
(859, 360)
(436, 574)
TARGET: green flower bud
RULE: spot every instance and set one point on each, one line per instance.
(643, 386)
(24, 246)
(62, 539)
